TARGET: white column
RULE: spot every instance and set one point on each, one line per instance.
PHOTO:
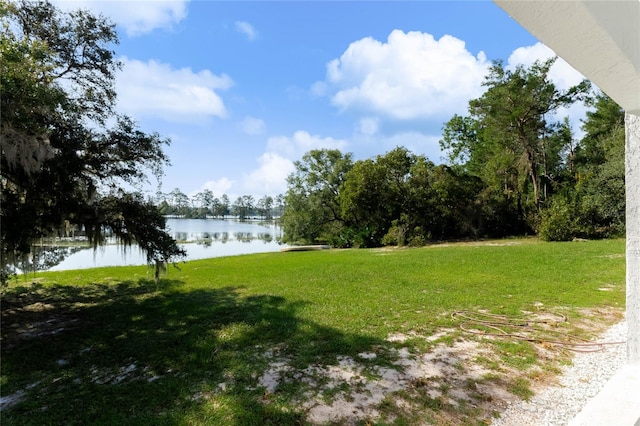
(632, 172)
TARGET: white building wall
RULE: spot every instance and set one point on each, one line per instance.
(632, 171)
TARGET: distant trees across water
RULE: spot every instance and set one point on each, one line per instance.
(205, 204)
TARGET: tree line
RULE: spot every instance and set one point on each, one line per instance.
(205, 204)
(512, 170)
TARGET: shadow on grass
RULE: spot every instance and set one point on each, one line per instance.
(132, 353)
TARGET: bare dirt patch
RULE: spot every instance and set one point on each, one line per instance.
(461, 378)
(382, 251)
(496, 243)
(356, 389)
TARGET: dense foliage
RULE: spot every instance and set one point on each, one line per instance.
(68, 159)
(512, 171)
(312, 205)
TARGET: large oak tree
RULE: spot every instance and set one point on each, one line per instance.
(312, 213)
(68, 159)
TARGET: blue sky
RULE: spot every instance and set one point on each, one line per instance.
(244, 89)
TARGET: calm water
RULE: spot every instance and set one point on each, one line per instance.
(201, 238)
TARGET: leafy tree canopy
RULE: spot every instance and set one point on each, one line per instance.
(313, 209)
(605, 117)
(508, 140)
(67, 156)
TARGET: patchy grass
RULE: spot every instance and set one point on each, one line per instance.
(294, 338)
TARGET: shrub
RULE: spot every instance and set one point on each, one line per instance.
(558, 222)
(397, 234)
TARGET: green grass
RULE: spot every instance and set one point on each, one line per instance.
(108, 346)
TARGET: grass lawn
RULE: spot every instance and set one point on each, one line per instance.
(336, 336)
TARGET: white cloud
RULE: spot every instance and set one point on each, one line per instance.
(246, 29)
(180, 95)
(561, 73)
(136, 17)
(253, 126)
(319, 88)
(273, 166)
(270, 178)
(369, 125)
(218, 187)
(301, 142)
(411, 76)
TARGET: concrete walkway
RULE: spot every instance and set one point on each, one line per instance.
(617, 404)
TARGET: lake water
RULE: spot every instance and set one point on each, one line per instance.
(201, 238)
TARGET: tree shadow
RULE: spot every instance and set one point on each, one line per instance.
(132, 353)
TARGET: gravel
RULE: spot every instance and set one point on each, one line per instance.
(577, 384)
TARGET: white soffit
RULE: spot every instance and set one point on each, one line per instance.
(601, 39)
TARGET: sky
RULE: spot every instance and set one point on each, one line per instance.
(243, 89)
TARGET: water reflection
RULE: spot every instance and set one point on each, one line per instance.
(267, 238)
(180, 236)
(206, 238)
(43, 258)
(201, 238)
